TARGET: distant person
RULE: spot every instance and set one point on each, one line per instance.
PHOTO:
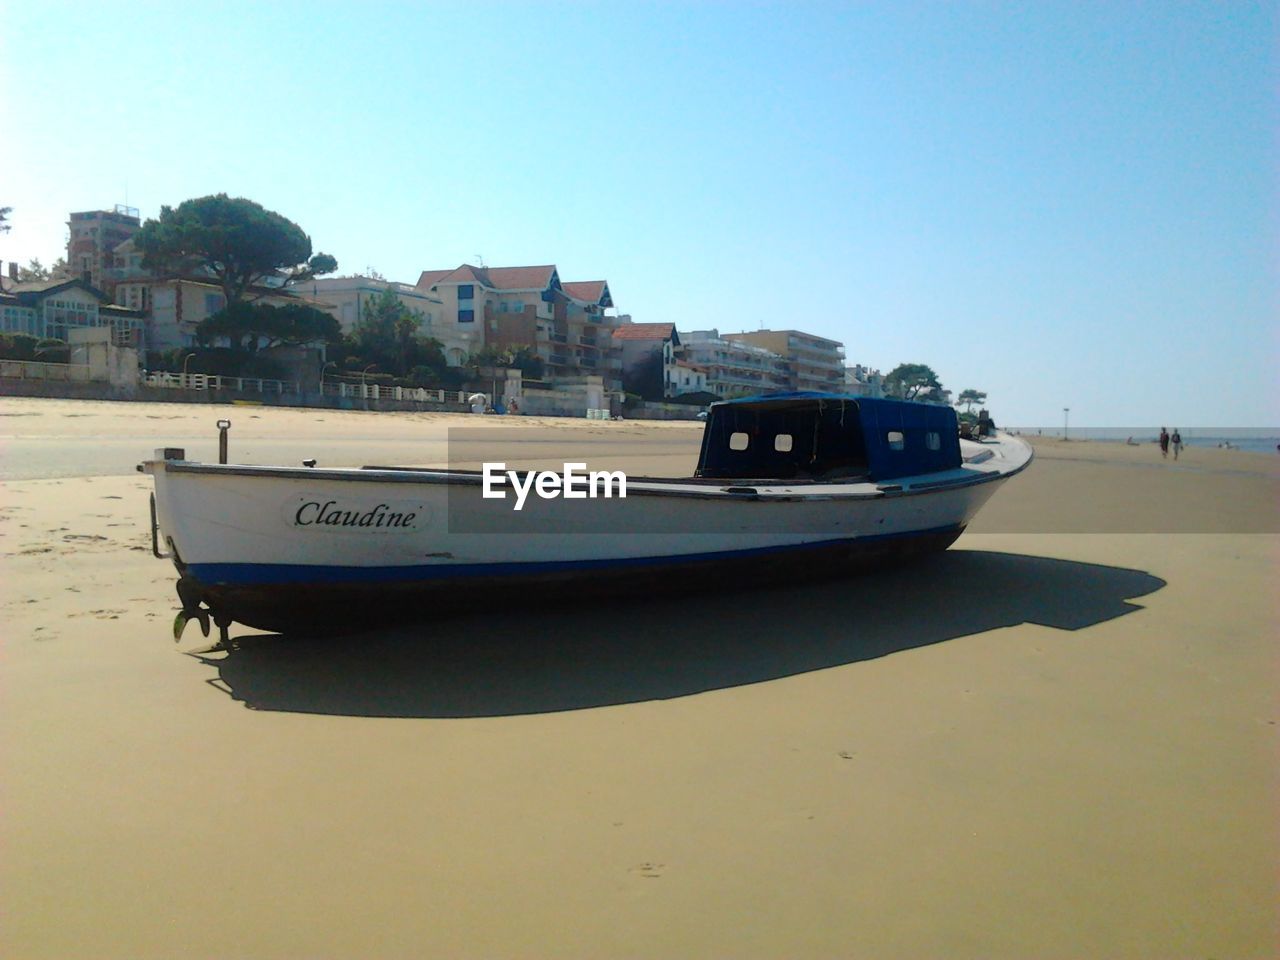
(1176, 440)
(1164, 443)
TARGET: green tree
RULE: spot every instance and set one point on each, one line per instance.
(907, 381)
(969, 398)
(490, 356)
(33, 271)
(4, 218)
(235, 240)
(388, 334)
(248, 325)
(18, 346)
(528, 363)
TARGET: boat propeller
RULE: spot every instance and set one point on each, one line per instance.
(193, 608)
(186, 616)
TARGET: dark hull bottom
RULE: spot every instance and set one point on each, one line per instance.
(315, 608)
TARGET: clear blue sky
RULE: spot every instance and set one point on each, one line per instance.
(1064, 204)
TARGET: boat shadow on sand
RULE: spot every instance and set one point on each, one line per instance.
(658, 646)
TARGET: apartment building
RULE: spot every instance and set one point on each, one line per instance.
(814, 363)
(734, 368)
(511, 308)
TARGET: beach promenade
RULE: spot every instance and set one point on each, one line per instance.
(1058, 739)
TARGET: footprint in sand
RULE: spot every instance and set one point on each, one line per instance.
(647, 869)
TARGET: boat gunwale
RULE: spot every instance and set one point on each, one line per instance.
(773, 490)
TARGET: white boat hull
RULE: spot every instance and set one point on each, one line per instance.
(289, 549)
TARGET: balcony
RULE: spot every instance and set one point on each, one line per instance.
(559, 338)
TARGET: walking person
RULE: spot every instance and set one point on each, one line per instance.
(1164, 443)
(1176, 440)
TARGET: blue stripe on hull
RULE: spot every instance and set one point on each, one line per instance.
(246, 574)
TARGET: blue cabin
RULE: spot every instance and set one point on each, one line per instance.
(827, 437)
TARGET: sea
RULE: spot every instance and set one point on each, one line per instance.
(1255, 439)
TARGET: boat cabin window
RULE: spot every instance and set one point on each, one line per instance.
(784, 439)
(895, 440)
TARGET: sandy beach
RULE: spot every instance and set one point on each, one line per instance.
(1058, 739)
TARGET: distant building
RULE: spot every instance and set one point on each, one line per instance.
(346, 298)
(93, 236)
(814, 363)
(862, 381)
(50, 309)
(175, 306)
(734, 368)
(647, 353)
(509, 308)
(680, 378)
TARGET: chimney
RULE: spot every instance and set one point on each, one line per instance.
(13, 270)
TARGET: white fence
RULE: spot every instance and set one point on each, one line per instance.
(204, 381)
(33, 370)
(375, 391)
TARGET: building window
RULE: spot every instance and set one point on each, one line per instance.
(466, 303)
(213, 302)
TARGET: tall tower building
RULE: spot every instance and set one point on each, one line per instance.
(93, 238)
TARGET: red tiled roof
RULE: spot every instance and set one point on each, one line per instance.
(521, 278)
(496, 278)
(429, 278)
(588, 291)
(644, 331)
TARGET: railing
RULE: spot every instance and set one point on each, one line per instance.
(559, 338)
(380, 391)
(34, 370)
(206, 381)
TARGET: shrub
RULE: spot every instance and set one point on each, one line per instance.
(17, 346)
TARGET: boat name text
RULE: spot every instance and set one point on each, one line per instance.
(314, 513)
(574, 483)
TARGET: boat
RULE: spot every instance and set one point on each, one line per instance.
(787, 485)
